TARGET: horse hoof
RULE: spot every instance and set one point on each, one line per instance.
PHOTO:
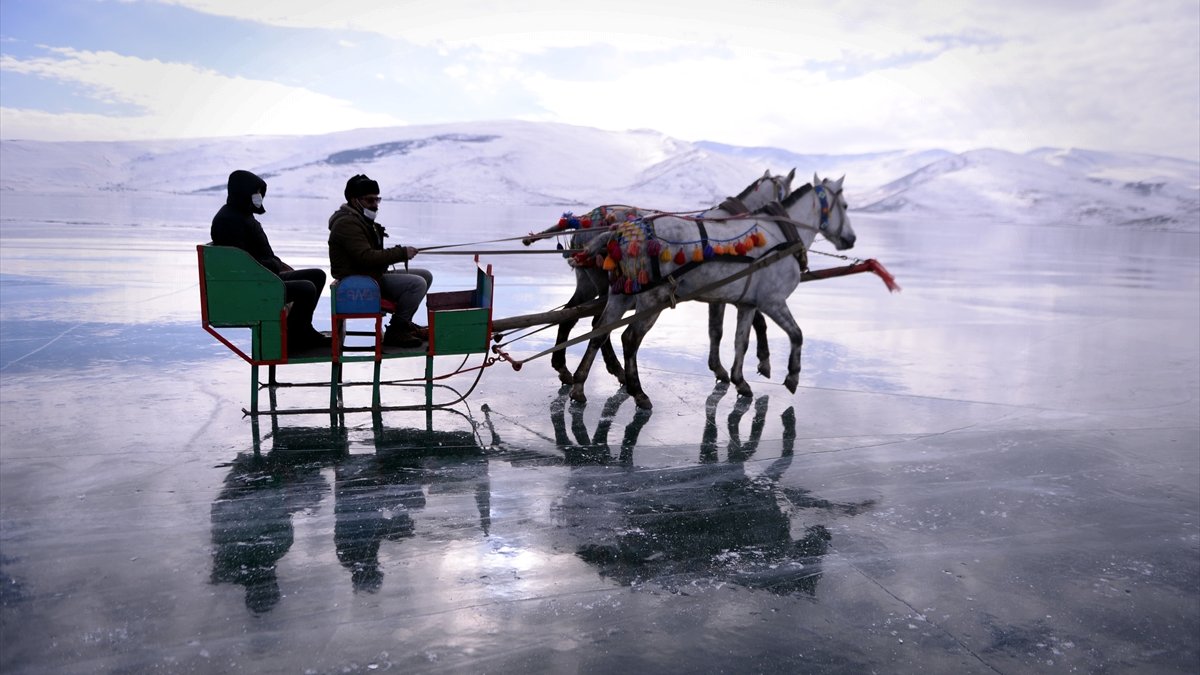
(566, 378)
(791, 383)
(764, 369)
(722, 375)
(745, 392)
(643, 402)
(578, 396)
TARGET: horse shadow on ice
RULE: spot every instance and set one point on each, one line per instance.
(375, 499)
(711, 522)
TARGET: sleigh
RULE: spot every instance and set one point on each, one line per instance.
(239, 294)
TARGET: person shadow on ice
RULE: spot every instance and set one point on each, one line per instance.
(376, 496)
(252, 521)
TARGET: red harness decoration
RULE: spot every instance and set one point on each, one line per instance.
(870, 265)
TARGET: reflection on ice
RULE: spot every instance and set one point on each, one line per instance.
(707, 523)
(252, 521)
(376, 497)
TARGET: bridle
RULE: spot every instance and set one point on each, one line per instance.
(824, 196)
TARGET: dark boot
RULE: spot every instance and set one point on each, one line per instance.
(401, 336)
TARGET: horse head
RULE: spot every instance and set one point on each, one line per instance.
(832, 220)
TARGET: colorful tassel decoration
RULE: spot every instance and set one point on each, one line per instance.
(628, 286)
(643, 277)
(708, 252)
(585, 222)
(679, 258)
(634, 248)
(665, 256)
(760, 239)
(697, 254)
(739, 248)
(653, 247)
(609, 264)
(614, 250)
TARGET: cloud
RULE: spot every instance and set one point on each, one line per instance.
(173, 100)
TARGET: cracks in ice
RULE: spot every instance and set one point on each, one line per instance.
(49, 342)
(931, 622)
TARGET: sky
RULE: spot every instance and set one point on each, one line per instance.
(831, 77)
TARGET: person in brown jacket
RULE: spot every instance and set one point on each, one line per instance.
(356, 247)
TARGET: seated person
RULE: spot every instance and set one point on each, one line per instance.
(235, 225)
(356, 247)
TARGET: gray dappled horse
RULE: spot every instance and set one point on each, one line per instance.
(800, 217)
(591, 282)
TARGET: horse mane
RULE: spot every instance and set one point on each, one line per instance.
(797, 194)
(787, 201)
(749, 188)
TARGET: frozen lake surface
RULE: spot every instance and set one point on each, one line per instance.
(997, 470)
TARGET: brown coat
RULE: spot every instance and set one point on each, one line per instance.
(356, 245)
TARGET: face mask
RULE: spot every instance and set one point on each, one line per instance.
(256, 200)
(369, 214)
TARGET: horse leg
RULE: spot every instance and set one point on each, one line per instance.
(558, 360)
(764, 348)
(716, 324)
(611, 362)
(782, 316)
(585, 291)
(741, 342)
(631, 340)
(617, 304)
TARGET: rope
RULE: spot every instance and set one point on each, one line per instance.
(472, 243)
(514, 251)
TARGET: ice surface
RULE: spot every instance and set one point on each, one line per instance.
(996, 470)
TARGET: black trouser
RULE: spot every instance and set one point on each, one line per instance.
(303, 290)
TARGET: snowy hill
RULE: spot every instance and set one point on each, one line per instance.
(511, 162)
(1050, 186)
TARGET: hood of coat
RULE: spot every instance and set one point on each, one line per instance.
(242, 186)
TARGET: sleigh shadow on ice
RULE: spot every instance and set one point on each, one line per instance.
(376, 497)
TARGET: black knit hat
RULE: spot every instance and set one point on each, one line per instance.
(360, 185)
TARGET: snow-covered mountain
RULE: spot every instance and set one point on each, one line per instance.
(512, 162)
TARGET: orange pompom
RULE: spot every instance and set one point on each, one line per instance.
(609, 264)
(697, 255)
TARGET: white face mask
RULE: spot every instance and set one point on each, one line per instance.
(369, 213)
(256, 200)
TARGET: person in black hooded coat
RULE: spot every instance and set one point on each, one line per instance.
(235, 225)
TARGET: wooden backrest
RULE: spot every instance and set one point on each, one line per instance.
(235, 290)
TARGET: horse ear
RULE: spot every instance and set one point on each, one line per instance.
(838, 184)
(767, 173)
(816, 181)
(791, 174)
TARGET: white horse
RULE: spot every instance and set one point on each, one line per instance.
(591, 282)
(808, 211)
